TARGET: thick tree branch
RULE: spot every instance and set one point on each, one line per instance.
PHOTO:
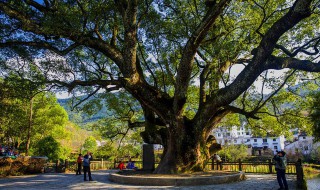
(38, 6)
(190, 49)
(101, 83)
(279, 63)
(42, 45)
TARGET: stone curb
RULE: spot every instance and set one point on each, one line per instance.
(176, 181)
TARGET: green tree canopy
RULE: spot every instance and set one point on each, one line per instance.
(234, 152)
(30, 115)
(51, 148)
(315, 115)
(174, 57)
(90, 144)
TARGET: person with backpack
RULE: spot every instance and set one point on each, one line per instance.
(217, 158)
(280, 166)
(86, 166)
(79, 161)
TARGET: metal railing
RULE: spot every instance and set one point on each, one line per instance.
(245, 166)
(250, 167)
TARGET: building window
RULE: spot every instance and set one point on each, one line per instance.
(228, 134)
(247, 133)
(306, 148)
(274, 139)
(248, 140)
(275, 147)
(304, 137)
(219, 134)
(235, 141)
(254, 140)
(264, 140)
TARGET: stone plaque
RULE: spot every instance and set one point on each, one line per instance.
(148, 157)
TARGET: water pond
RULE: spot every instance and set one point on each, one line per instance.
(313, 182)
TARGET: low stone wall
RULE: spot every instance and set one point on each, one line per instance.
(21, 165)
(176, 181)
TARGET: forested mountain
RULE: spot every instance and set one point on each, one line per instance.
(80, 117)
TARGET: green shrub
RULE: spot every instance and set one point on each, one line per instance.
(51, 148)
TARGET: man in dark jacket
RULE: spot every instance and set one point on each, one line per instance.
(280, 165)
(86, 166)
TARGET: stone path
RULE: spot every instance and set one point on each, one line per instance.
(72, 181)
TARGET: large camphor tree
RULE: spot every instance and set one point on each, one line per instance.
(173, 56)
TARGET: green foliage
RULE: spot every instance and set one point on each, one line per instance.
(48, 118)
(315, 115)
(106, 151)
(76, 137)
(315, 154)
(234, 152)
(129, 150)
(286, 110)
(230, 120)
(51, 148)
(90, 144)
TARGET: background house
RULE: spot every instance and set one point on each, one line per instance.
(241, 135)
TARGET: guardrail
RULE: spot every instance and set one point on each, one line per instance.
(250, 167)
(72, 165)
(247, 167)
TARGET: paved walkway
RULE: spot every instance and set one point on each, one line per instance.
(72, 181)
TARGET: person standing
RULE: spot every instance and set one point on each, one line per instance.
(217, 158)
(79, 161)
(280, 166)
(86, 166)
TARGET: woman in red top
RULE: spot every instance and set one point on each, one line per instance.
(79, 161)
(121, 165)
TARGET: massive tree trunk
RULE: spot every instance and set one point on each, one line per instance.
(183, 152)
(188, 147)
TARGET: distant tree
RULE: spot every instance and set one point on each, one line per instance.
(315, 154)
(90, 144)
(29, 114)
(315, 115)
(234, 152)
(51, 148)
(107, 151)
(12, 117)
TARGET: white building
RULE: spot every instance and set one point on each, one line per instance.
(302, 143)
(240, 135)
